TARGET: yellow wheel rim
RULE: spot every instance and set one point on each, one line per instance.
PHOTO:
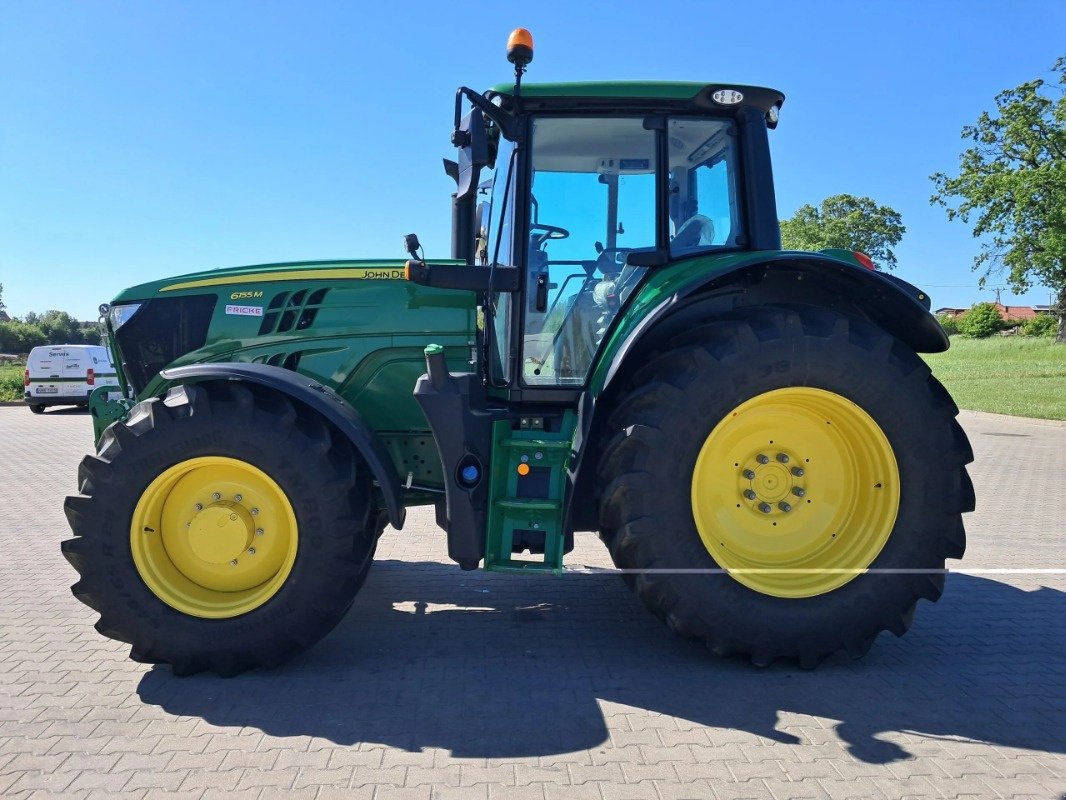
(214, 537)
(795, 492)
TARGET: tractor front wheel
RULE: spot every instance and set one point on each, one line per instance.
(223, 527)
(785, 482)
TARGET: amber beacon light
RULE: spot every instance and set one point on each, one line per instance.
(520, 48)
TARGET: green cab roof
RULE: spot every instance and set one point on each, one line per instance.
(692, 91)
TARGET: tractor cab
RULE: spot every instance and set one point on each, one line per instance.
(592, 228)
(568, 197)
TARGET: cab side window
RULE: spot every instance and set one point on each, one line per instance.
(703, 197)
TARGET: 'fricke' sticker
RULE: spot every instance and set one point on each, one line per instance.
(245, 311)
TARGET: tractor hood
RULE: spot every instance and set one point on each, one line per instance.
(252, 278)
(321, 318)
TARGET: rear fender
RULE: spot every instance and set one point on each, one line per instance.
(697, 292)
(318, 397)
(767, 278)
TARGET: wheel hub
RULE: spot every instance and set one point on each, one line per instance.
(762, 480)
(221, 532)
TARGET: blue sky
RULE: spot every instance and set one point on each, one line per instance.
(140, 140)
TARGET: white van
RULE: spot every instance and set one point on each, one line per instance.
(66, 374)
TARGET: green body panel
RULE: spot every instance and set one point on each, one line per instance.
(104, 410)
(365, 341)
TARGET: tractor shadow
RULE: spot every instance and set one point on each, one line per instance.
(492, 666)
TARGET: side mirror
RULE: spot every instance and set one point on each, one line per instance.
(473, 143)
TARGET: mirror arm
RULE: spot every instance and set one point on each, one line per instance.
(449, 276)
(505, 121)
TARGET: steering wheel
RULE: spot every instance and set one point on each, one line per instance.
(693, 231)
(549, 231)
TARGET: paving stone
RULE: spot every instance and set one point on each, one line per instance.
(472, 775)
(441, 684)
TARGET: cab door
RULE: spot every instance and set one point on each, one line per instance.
(593, 188)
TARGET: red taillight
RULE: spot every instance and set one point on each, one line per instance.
(89, 377)
(26, 382)
(864, 259)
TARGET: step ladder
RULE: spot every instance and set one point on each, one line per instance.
(526, 510)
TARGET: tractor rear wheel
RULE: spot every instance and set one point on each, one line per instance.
(224, 527)
(785, 482)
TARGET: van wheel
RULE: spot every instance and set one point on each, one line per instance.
(37, 408)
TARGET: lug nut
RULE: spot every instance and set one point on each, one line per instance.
(749, 474)
(199, 506)
(749, 494)
(216, 496)
(762, 459)
(251, 551)
(765, 508)
(798, 491)
(784, 506)
(238, 497)
(255, 512)
(233, 563)
(797, 471)
(782, 457)
(258, 531)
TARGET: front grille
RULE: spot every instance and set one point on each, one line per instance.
(163, 330)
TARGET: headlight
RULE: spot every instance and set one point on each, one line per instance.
(120, 315)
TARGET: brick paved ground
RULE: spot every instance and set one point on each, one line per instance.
(444, 684)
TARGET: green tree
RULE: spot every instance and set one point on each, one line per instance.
(949, 323)
(847, 222)
(1012, 185)
(1040, 325)
(19, 337)
(980, 321)
(2, 306)
(60, 327)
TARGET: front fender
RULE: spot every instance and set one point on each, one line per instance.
(318, 397)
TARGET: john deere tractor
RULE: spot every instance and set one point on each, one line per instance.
(618, 344)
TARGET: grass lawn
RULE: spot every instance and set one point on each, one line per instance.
(1005, 375)
(11, 383)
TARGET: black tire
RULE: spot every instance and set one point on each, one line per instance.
(37, 408)
(667, 412)
(322, 477)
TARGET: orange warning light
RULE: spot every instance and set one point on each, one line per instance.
(520, 47)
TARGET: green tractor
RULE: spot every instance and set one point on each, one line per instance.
(618, 344)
